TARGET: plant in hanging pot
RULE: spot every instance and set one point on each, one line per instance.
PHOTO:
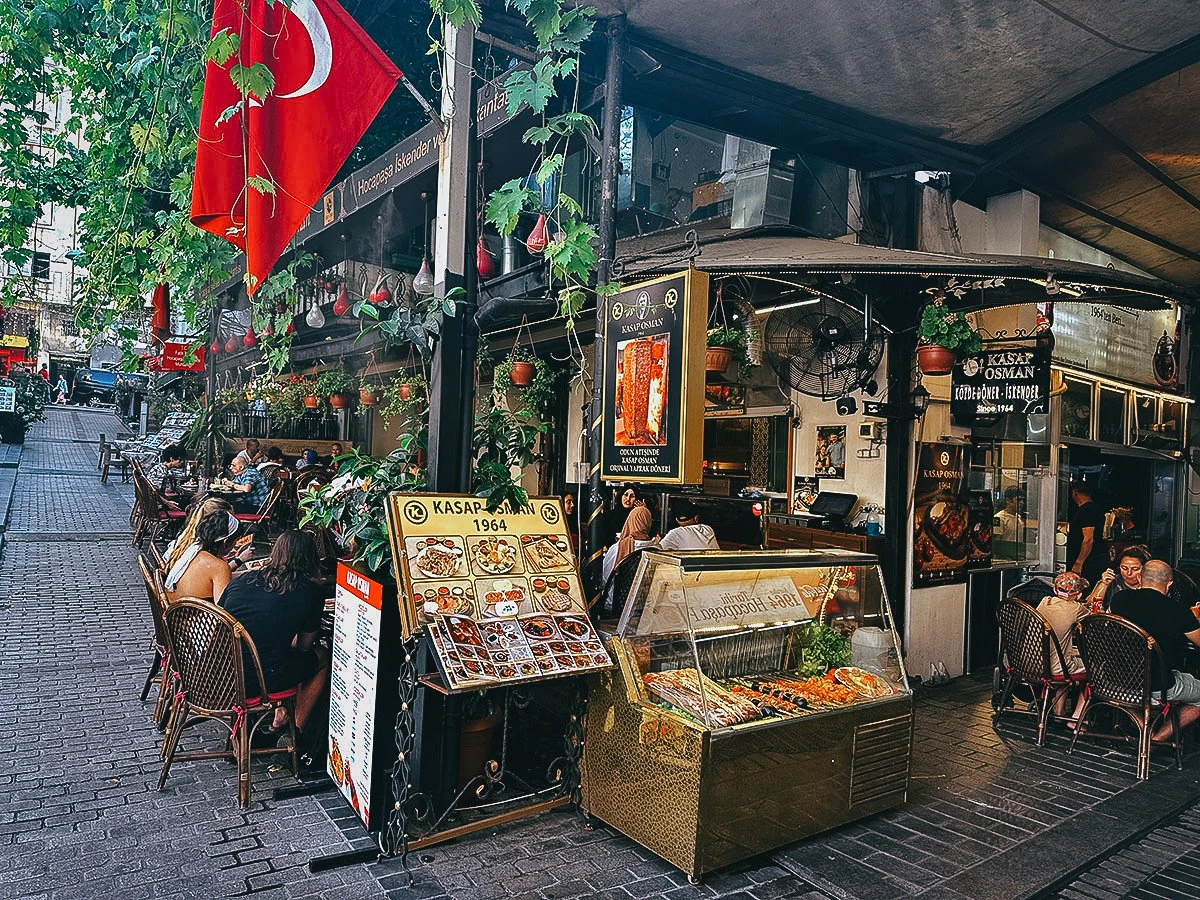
(339, 386)
(287, 399)
(518, 368)
(942, 335)
(724, 344)
(369, 392)
(404, 397)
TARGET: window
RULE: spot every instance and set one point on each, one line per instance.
(1077, 409)
(41, 266)
(1111, 415)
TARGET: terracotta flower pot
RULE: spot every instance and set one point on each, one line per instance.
(312, 401)
(404, 390)
(476, 746)
(367, 398)
(935, 360)
(522, 373)
(340, 401)
(717, 359)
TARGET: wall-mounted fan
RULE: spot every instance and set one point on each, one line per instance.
(825, 350)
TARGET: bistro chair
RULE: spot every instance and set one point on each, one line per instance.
(1120, 659)
(261, 520)
(160, 665)
(209, 650)
(156, 557)
(110, 455)
(616, 590)
(1028, 645)
(157, 519)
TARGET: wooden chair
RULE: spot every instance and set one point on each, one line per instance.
(110, 456)
(157, 519)
(160, 666)
(261, 520)
(156, 557)
(1028, 644)
(1120, 659)
(209, 650)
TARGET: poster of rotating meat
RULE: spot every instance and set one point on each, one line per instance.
(654, 380)
(941, 517)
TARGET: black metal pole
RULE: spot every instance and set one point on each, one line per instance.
(593, 537)
(896, 514)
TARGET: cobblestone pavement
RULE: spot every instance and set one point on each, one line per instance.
(989, 815)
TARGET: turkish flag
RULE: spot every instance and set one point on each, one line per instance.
(261, 166)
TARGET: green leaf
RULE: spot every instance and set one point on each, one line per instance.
(539, 134)
(533, 89)
(256, 80)
(260, 184)
(549, 166)
(505, 204)
(222, 46)
(369, 309)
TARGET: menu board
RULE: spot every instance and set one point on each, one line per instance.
(941, 518)
(654, 400)
(353, 685)
(498, 592)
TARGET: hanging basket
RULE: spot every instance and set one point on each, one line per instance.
(935, 360)
(522, 373)
(717, 359)
(404, 391)
(340, 401)
(312, 401)
(368, 398)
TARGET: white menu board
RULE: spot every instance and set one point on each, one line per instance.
(353, 682)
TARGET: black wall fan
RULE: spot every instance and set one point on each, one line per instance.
(826, 349)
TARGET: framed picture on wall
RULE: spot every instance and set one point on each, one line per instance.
(830, 457)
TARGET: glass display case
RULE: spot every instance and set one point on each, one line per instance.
(760, 697)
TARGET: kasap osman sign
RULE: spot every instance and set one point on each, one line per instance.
(653, 427)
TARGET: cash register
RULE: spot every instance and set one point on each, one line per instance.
(830, 511)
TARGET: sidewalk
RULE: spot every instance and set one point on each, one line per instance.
(989, 814)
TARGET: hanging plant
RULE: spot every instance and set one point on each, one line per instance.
(531, 378)
(339, 386)
(405, 397)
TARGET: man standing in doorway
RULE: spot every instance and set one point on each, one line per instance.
(1086, 554)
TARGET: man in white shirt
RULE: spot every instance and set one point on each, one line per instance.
(688, 533)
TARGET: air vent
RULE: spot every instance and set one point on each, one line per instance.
(880, 761)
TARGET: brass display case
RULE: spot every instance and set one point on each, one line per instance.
(759, 698)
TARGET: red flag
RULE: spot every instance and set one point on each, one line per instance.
(330, 82)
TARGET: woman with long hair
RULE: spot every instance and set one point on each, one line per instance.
(199, 568)
(187, 536)
(280, 606)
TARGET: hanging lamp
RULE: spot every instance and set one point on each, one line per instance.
(315, 318)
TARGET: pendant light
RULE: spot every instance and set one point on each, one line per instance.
(485, 264)
(215, 347)
(537, 240)
(315, 318)
(422, 283)
(342, 304)
(250, 340)
(231, 345)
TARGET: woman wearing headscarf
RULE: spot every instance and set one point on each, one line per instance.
(635, 534)
(199, 569)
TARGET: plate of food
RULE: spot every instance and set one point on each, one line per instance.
(445, 600)
(866, 683)
(575, 627)
(540, 628)
(494, 555)
(547, 553)
(438, 558)
(946, 526)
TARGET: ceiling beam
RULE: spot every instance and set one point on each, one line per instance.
(1137, 76)
(1142, 163)
(1060, 196)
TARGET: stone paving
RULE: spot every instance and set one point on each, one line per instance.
(989, 815)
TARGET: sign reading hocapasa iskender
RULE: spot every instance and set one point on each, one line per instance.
(1007, 380)
(653, 425)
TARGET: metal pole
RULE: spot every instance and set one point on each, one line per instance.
(593, 537)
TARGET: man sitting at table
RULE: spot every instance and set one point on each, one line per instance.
(247, 481)
(1170, 625)
(688, 533)
(273, 459)
(165, 472)
(253, 452)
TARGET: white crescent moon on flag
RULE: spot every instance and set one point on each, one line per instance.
(310, 17)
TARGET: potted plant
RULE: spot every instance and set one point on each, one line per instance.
(942, 335)
(404, 397)
(518, 368)
(288, 399)
(339, 386)
(723, 344)
(368, 392)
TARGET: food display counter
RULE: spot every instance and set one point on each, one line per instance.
(758, 698)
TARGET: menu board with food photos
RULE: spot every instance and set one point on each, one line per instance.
(498, 593)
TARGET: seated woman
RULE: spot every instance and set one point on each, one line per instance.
(1126, 577)
(635, 535)
(199, 568)
(1062, 610)
(281, 607)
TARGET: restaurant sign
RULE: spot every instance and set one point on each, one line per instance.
(653, 425)
(8, 398)
(498, 593)
(1004, 380)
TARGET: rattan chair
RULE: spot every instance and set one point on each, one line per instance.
(260, 521)
(616, 589)
(208, 650)
(156, 557)
(156, 518)
(1028, 645)
(160, 667)
(1120, 659)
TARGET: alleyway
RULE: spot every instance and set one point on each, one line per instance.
(989, 815)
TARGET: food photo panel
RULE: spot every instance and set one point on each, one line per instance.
(436, 557)
(547, 553)
(495, 554)
(444, 598)
(499, 597)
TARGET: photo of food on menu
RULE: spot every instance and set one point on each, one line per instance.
(501, 607)
(642, 390)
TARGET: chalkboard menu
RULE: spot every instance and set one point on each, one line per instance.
(1004, 380)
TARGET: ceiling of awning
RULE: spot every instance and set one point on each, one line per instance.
(1092, 105)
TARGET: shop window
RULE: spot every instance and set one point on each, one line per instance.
(40, 268)
(1077, 409)
(1171, 426)
(1111, 415)
(1010, 473)
(1144, 426)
